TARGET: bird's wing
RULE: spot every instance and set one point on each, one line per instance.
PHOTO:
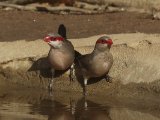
(68, 45)
(85, 61)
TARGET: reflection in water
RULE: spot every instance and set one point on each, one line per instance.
(54, 110)
(83, 110)
(61, 107)
(18, 111)
(87, 110)
(62, 115)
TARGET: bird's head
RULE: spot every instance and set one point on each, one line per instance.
(104, 43)
(54, 40)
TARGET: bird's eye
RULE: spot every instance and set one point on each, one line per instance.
(53, 39)
(103, 41)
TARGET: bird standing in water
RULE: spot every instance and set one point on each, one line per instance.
(98, 62)
(61, 55)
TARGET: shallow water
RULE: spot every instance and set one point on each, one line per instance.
(22, 104)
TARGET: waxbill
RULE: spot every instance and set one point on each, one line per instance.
(98, 62)
(61, 55)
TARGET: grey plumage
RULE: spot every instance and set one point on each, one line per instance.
(61, 55)
(98, 62)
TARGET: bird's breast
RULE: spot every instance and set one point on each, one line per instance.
(60, 60)
(100, 65)
(100, 69)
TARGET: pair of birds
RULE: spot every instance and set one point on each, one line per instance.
(62, 55)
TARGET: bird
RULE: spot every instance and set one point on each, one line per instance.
(61, 54)
(98, 62)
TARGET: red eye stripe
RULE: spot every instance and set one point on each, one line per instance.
(50, 38)
(57, 39)
(101, 41)
(109, 41)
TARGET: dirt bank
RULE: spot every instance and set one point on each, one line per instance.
(135, 70)
(19, 25)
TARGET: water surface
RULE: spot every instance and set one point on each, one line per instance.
(39, 105)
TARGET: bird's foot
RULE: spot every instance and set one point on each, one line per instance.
(72, 78)
(108, 78)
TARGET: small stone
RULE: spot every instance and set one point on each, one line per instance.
(156, 16)
(89, 20)
(8, 8)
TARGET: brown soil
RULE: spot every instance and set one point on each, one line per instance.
(17, 25)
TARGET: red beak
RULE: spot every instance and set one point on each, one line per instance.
(110, 42)
(47, 39)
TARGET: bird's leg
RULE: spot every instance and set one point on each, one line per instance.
(71, 76)
(52, 79)
(108, 78)
(72, 106)
(85, 104)
(85, 86)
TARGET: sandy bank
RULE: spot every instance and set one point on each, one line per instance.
(136, 60)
